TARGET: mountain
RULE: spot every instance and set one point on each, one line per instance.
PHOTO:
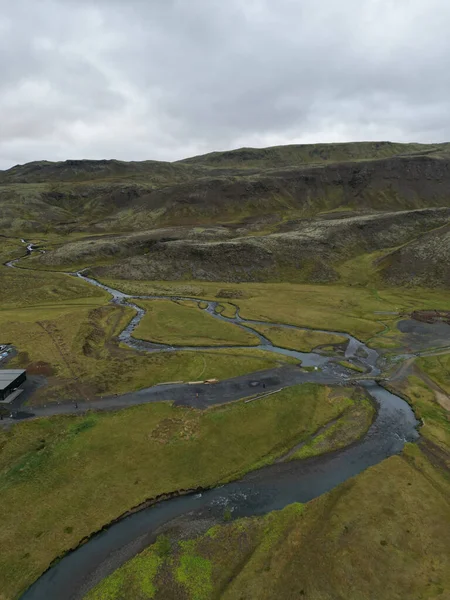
(290, 212)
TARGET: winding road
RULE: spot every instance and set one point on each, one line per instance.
(261, 491)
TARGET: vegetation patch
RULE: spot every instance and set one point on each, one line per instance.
(351, 426)
(297, 339)
(185, 324)
(194, 572)
(75, 348)
(22, 288)
(438, 368)
(348, 365)
(435, 418)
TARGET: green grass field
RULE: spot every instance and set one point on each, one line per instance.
(10, 248)
(351, 426)
(64, 329)
(21, 288)
(185, 324)
(295, 339)
(98, 466)
(436, 423)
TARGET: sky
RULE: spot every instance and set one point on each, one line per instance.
(167, 79)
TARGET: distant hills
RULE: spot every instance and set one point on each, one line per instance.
(289, 212)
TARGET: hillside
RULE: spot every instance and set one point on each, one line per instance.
(293, 213)
(110, 195)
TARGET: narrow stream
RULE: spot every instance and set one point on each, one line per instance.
(259, 492)
(355, 351)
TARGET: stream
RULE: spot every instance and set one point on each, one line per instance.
(259, 492)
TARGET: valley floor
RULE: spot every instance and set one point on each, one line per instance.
(393, 518)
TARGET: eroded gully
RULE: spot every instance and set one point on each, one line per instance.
(261, 491)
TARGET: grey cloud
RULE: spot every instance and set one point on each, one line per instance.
(165, 79)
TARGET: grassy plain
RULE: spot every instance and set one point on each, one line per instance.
(331, 307)
(65, 330)
(393, 519)
(10, 248)
(295, 339)
(435, 418)
(98, 466)
(21, 288)
(171, 322)
(226, 309)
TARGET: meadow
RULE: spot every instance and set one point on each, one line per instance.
(185, 324)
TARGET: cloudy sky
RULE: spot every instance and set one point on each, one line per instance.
(166, 79)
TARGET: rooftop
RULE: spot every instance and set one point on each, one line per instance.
(7, 376)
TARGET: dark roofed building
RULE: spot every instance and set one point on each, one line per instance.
(10, 379)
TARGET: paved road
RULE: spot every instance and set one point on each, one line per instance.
(200, 396)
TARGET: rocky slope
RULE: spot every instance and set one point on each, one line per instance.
(291, 213)
(223, 187)
(424, 262)
(310, 251)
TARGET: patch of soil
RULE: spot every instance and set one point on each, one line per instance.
(436, 455)
(40, 368)
(169, 430)
(231, 293)
(431, 316)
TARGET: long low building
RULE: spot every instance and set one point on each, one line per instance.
(10, 379)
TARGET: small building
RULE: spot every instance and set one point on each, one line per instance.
(10, 379)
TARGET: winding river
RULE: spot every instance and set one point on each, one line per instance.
(261, 491)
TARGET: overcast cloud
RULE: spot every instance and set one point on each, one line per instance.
(166, 79)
